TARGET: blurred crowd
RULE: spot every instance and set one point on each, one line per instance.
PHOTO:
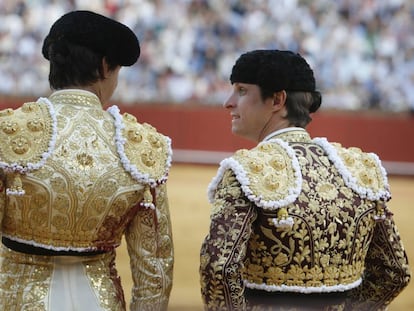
(362, 51)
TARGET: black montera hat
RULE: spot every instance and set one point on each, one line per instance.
(274, 70)
(103, 35)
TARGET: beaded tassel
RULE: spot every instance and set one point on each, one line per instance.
(147, 201)
(16, 185)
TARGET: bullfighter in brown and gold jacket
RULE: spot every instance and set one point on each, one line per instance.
(297, 223)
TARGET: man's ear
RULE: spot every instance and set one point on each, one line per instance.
(279, 100)
(105, 67)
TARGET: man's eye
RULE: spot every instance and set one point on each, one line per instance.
(241, 91)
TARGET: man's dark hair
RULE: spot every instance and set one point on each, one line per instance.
(74, 65)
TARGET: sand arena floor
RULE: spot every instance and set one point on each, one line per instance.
(189, 208)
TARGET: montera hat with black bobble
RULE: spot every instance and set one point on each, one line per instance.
(107, 37)
(276, 70)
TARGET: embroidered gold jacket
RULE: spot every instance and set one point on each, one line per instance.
(300, 215)
(79, 178)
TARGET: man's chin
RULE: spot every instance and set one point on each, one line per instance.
(238, 133)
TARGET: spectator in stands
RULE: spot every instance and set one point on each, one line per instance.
(76, 179)
(296, 223)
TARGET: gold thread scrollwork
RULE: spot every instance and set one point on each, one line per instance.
(135, 136)
(147, 158)
(84, 160)
(154, 141)
(255, 166)
(35, 125)
(9, 127)
(277, 162)
(366, 178)
(20, 145)
(271, 182)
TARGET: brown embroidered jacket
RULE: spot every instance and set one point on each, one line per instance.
(304, 216)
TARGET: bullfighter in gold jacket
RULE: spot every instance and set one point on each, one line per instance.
(76, 179)
(296, 223)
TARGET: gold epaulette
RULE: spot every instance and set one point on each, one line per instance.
(26, 135)
(145, 153)
(147, 150)
(361, 171)
(269, 174)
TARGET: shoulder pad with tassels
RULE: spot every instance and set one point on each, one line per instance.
(27, 137)
(146, 149)
(361, 171)
(269, 174)
(144, 153)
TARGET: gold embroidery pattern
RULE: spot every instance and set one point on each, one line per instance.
(91, 197)
(83, 199)
(386, 254)
(150, 246)
(69, 97)
(224, 248)
(148, 150)
(269, 170)
(25, 280)
(329, 239)
(363, 167)
(105, 281)
(25, 133)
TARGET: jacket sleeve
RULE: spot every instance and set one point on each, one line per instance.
(150, 247)
(386, 269)
(224, 249)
